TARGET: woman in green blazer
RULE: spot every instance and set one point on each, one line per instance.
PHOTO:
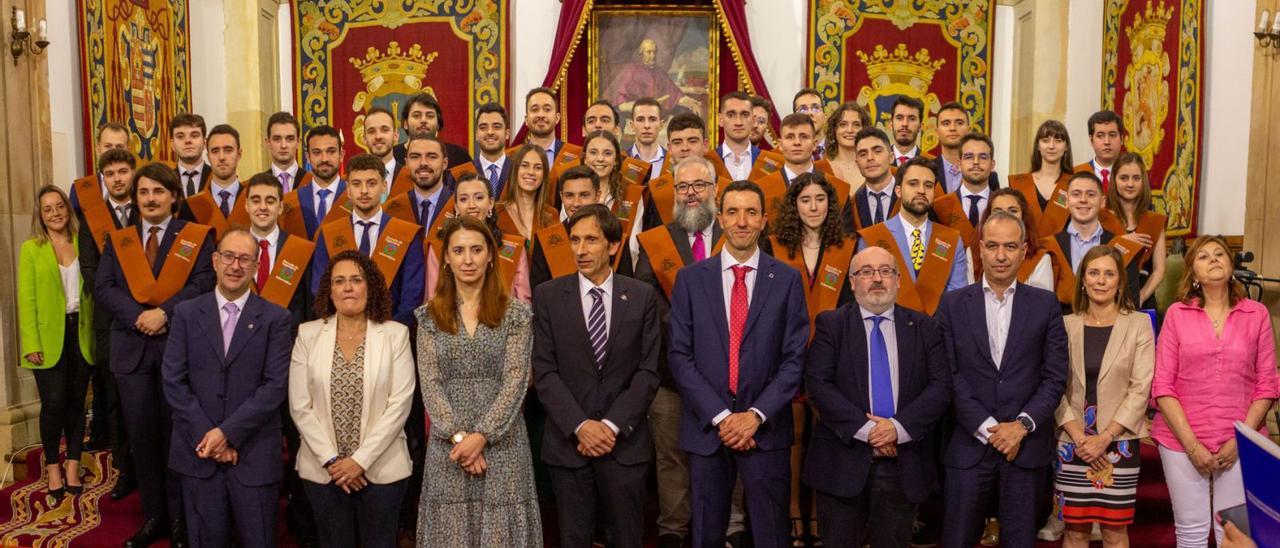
(55, 320)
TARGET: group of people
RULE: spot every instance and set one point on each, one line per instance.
(796, 341)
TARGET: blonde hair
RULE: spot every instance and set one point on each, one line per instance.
(39, 232)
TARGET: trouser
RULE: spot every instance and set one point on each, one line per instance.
(969, 490)
(147, 416)
(602, 486)
(766, 483)
(107, 393)
(215, 503)
(62, 391)
(672, 467)
(1197, 497)
(366, 518)
(299, 517)
(880, 514)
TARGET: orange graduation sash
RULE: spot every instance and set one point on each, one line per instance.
(1054, 216)
(1065, 278)
(511, 249)
(96, 213)
(459, 170)
(925, 292)
(143, 285)
(625, 210)
(664, 259)
(634, 171)
(205, 208)
(554, 241)
(1029, 264)
(404, 182)
(569, 155)
(767, 163)
(822, 294)
(291, 264)
(387, 254)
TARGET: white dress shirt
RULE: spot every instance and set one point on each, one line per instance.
(272, 238)
(293, 176)
(146, 230)
(983, 197)
(584, 290)
(70, 275)
(484, 167)
(373, 229)
(122, 218)
(907, 228)
(727, 262)
(389, 169)
(739, 165)
(791, 175)
(330, 201)
(655, 163)
(999, 316)
(891, 344)
(435, 202)
(885, 200)
(215, 189)
(708, 244)
(909, 153)
(182, 176)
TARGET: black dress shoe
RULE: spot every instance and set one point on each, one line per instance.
(740, 540)
(151, 532)
(670, 541)
(95, 444)
(179, 537)
(124, 486)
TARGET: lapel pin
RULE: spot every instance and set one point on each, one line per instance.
(770, 275)
(250, 326)
(624, 296)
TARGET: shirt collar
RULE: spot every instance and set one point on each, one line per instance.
(791, 175)
(292, 170)
(164, 226)
(1096, 236)
(222, 301)
(867, 314)
(585, 286)
(727, 261)
(233, 188)
(659, 156)
(198, 168)
(908, 153)
(485, 163)
(376, 218)
(390, 165)
(907, 227)
(991, 292)
(271, 237)
(418, 197)
(985, 192)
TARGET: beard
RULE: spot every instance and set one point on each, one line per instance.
(695, 219)
(915, 207)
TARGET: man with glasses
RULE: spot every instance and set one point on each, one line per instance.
(808, 102)
(953, 125)
(761, 109)
(962, 209)
(879, 377)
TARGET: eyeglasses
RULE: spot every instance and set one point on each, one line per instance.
(969, 157)
(868, 272)
(696, 186)
(809, 109)
(228, 258)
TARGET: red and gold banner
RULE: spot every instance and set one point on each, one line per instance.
(872, 51)
(354, 55)
(135, 70)
(1152, 77)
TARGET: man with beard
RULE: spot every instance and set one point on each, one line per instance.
(1106, 136)
(646, 122)
(735, 121)
(492, 134)
(645, 79)
(808, 102)
(187, 132)
(282, 145)
(100, 214)
(877, 198)
(320, 201)
(380, 136)
(1085, 200)
(430, 200)
(962, 209)
(422, 114)
(397, 243)
(907, 117)
(761, 110)
(953, 125)
(221, 204)
(540, 118)
(600, 115)
(930, 254)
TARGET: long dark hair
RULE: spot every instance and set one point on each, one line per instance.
(833, 123)
(540, 198)
(790, 229)
(377, 298)
(1051, 128)
(1144, 195)
(493, 296)
(615, 176)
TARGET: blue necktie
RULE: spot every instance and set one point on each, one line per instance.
(493, 180)
(226, 205)
(322, 209)
(881, 383)
(424, 213)
(596, 328)
(364, 237)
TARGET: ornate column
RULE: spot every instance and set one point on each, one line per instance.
(253, 75)
(1039, 73)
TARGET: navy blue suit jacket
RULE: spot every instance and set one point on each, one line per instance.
(306, 201)
(409, 285)
(771, 356)
(240, 391)
(837, 381)
(503, 175)
(1030, 378)
(130, 348)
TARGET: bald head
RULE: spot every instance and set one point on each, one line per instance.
(874, 275)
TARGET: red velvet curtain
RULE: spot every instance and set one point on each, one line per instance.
(733, 21)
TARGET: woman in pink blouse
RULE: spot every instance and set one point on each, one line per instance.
(1215, 364)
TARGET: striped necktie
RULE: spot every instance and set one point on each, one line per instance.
(596, 328)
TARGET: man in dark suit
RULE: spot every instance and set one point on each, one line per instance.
(225, 371)
(596, 379)
(738, 365)
(380, 136)
(145, 271)
(283, 137)
(878, 376)
(188, 132)
(422, 114)
(953, 126)
(108, 201)
(492, 133)
(877, 199)
(1008, 352)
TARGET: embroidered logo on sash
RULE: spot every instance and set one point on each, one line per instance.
(569, 158)
(127, 240)
(508, 251)
(391, 248)
(769, 165)
(942, 249)
(668, 265)
(1061, 198)
(624, 210)
(288, 208)
(392, 206)
(185, 249)
(340, 242)
(554, 240)
(287, 270)
(953, 218)
(831, 277)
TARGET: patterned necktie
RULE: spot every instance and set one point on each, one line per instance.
(364, 237)
(737, 322)
(596, 328)
(881, 374)
(322, 209)
(903, 160)
(879, 198)
(229, 326)
(191, 182)
(264, 263)
(699, 247)
(152, 249)
(917, 250)
(1106, 178)
(225, 205)
(284, 182)
(973, 209)
(493, 179)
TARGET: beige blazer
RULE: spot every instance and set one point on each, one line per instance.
(388, 393)
(1124, 382)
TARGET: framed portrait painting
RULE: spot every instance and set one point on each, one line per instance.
(668, 53)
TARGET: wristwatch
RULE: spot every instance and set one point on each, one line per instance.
(457, 437)
(1026, 422)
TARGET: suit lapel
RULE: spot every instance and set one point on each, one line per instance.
(1016, 327)
(978, 317)
(680, 238)
(859, 354)
(1119, 332)
(211, 324)
(573, 297)
(246, 326)
(760, 295)
(619, 311)
(904, 331)
(714, 293)
(864, 210)
(372, 368)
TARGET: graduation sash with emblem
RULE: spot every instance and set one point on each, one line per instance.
(554, 241)
(767, 163)
(404, 182)
(291, 264)
(925, 292)
(510, 249)
(205, 208)
(388, 254)
(1054, 216)
(1065, 278)
(145, 287)
(635, 171)
(96, 213)
(569, 155)
(664, 259)
(625, 210)
(823, 293)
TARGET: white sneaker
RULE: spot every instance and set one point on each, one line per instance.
(1052, 530)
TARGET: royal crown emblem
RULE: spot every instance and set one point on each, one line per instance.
(900, 72)
(1146, 99)
(389, 77)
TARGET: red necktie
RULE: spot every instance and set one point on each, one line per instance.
(902, 160)
(152, 250)
(1106, 178)
(264, 264)
(737, 322)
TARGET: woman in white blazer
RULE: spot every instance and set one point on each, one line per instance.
(350, 387)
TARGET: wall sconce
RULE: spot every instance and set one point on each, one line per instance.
(20, 37)
(1268, 35)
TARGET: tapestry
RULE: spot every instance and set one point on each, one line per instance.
(351, 56)
(134, 69)
(1151, 77)
(872, 51)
